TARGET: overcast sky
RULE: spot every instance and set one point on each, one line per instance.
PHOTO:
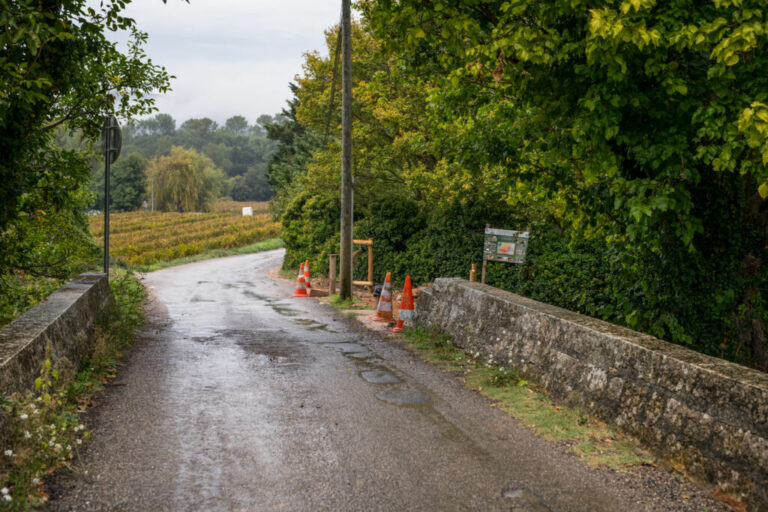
(231, 56)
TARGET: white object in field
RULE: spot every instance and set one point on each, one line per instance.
(247, 211)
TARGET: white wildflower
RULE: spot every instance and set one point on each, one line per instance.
(27, 435)
(24, 416)
(79, 441)
(7, 497)
(35, 481)
(8, 453)
(4, 490)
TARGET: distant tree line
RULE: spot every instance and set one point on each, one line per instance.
(238, 150)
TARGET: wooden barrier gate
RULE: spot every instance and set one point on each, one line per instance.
(332, 266)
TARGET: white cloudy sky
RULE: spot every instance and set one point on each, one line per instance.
(231, 56)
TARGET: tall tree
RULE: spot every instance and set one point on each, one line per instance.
(59, 69)
(184, 181)
(237, 124)
(647, 122)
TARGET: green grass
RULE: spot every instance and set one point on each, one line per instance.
(592, 441)
(266, 245)
(348, 304)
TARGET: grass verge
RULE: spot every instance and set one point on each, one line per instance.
(266, 245)
(348, 304)
(591, 440)
(41, 430)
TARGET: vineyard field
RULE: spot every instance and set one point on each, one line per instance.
(145, 238)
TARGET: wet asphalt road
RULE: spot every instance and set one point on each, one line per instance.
(239, 397)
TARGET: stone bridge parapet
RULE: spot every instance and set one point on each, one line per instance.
(705, 415)
(65, 320)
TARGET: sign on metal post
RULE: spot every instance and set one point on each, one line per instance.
(504, 245)
(111, 143)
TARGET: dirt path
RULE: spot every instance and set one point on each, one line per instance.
(240, 398)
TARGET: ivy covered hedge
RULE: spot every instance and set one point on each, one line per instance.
(631, 137)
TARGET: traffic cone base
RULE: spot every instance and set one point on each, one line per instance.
(301, 289)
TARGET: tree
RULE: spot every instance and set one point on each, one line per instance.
(646, 122)
(58, 69)
(184, 181)
(237, 124)
(251, 186)
(127, 183)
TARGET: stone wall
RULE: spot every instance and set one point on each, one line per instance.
(701, 413)
(65, 320)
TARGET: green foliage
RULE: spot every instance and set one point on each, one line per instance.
(127, 183)
(251, 186)
(39, 252)
(60, 74)
(643, 124)
(184, 180)
(58, 67)
(309, 229)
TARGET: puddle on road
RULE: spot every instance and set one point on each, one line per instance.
(266, 344)
(200, 299)
(524, 500)
(312, 325)
(284, 310)
(403, 396)
(347, 347)
(379, 377)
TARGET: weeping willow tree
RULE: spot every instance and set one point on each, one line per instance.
(184, 181)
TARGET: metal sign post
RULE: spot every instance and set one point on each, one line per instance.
(111, 142)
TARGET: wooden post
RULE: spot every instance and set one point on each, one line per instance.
(346, 151)
(332, 274)
(473, 273)
(370, 264)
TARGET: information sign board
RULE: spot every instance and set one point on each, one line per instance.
(505, 245)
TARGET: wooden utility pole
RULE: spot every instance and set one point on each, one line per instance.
(345, 270)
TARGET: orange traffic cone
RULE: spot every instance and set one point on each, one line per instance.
(384, 307)
(406, 306)
(306, 274)
(301, 289)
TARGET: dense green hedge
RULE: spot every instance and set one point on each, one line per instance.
(684, 297)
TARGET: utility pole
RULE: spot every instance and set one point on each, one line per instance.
(345, 253)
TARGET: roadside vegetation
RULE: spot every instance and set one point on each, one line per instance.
(42, 430)
(590, 440)
(631, 138)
